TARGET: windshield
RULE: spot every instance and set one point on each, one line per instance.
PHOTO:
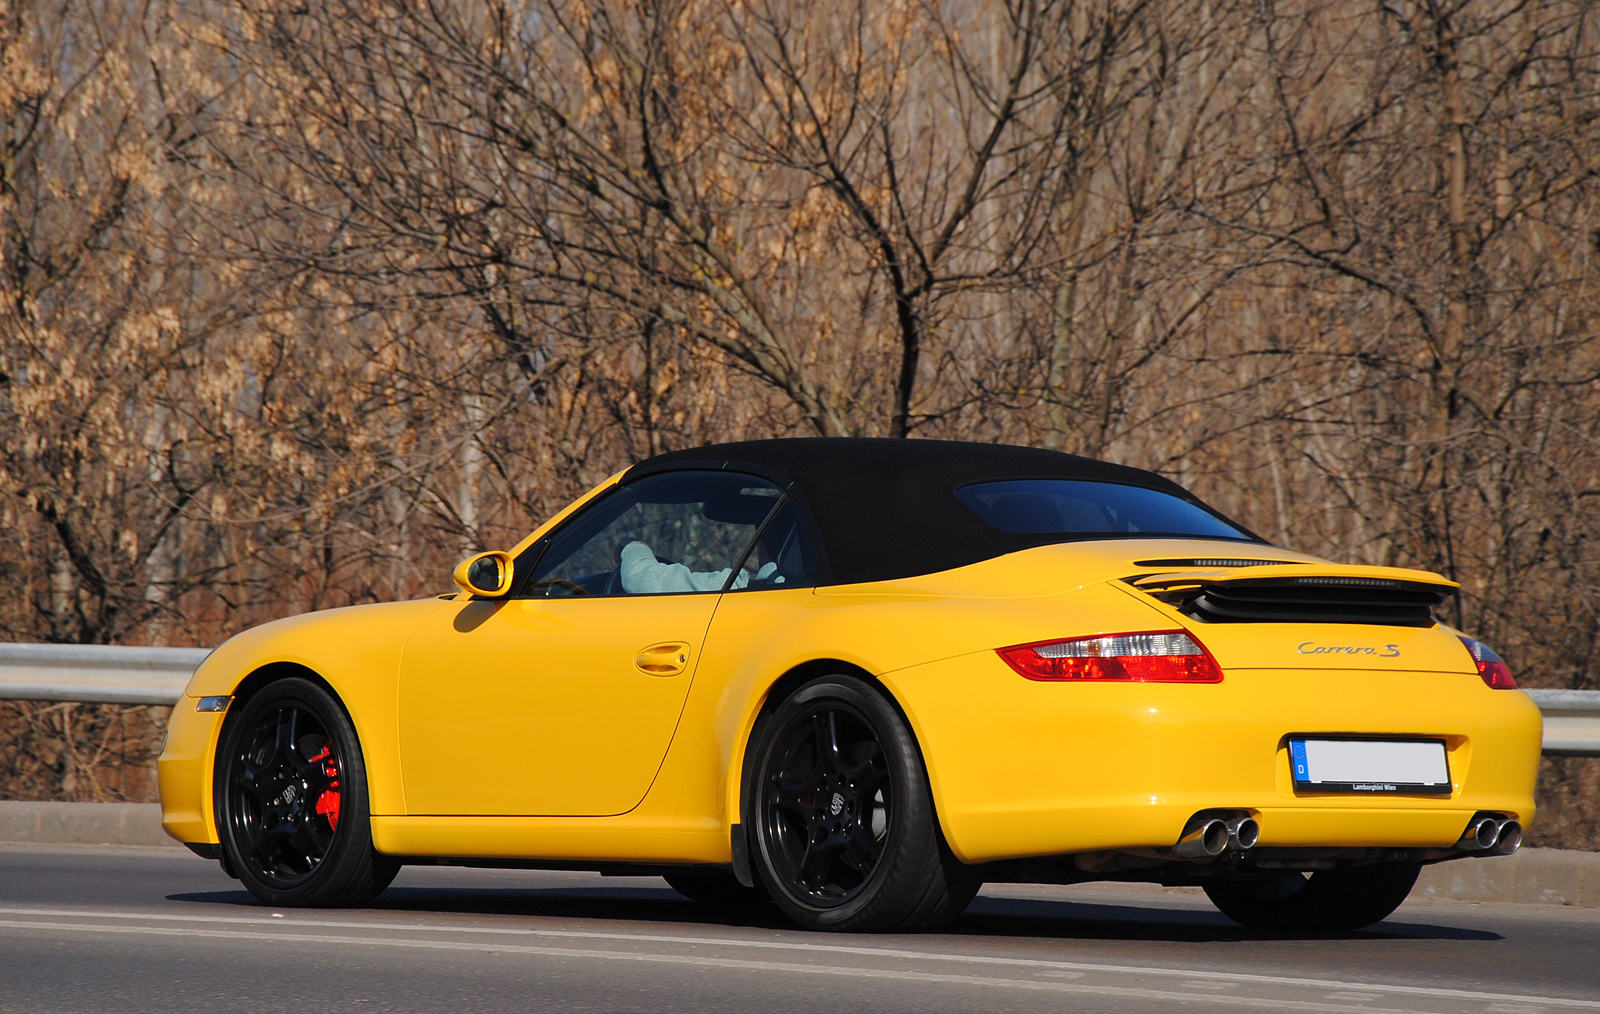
(1075, 507)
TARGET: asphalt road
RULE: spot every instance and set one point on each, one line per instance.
(125, 929)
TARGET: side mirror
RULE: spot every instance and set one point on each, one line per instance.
(487, 575)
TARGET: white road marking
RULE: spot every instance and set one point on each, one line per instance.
(1365, 991)
(1273, 1003)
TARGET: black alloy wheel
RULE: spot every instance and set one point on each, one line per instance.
(846, 836)
(1328, 901)
(292, 806)
(828, 795)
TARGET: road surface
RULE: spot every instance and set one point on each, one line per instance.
(129, 929)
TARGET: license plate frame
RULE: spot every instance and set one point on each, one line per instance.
(1363, 765)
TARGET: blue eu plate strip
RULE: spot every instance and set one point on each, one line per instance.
(1297, 751)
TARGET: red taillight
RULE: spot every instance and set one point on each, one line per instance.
(1491, 667)
(1164, 656)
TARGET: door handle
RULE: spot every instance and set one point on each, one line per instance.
(666, 659)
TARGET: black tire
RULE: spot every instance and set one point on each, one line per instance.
(845, 834)
(291, 801)
(716, 888)
(1328, 901)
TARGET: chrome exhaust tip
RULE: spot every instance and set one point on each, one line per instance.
(1243, 833)
(1509, 839)
(1481, 835)
(1202, 840)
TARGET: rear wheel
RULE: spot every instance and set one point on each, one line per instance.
(846, 837)
(291, 800)
(1326, 901)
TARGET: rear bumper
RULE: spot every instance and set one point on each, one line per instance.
(1022, 768)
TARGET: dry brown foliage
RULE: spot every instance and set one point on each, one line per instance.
(79, 752)
(1568, 817)
(300, 302)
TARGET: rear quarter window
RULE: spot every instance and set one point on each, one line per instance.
(1085, 509)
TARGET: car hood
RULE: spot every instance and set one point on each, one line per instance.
(353, 638)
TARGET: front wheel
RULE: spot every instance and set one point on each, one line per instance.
(1326, 901)
(291, 801)
(846, 837)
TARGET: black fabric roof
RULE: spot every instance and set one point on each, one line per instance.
(886, 509)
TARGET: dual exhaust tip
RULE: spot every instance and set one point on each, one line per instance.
(1206, 837)
(1491, 834)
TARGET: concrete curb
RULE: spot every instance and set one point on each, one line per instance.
(1532, 876)
(82, 823)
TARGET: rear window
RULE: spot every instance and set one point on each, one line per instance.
(1075, 507)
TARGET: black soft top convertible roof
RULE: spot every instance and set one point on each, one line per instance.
(887, 509)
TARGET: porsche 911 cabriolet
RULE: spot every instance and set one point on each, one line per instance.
(858, 679)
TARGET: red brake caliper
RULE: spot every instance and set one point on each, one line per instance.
(328, 802)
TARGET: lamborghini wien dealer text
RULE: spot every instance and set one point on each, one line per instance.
(859, 678)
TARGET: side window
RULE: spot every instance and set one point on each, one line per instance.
(668, 533)
(779, 558)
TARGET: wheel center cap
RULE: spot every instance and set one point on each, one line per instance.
(837, 805)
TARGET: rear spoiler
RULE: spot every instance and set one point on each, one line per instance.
(1314, 593)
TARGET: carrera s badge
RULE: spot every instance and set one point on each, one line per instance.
(1313, 648)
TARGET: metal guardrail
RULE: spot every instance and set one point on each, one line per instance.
(1571, 721)
(96, 673)
(93, 673)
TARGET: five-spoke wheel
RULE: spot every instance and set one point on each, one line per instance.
(827, 804)
(845, 831)
(291, 803)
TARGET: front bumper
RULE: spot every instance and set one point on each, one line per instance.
(1022, 768)
(184, 773)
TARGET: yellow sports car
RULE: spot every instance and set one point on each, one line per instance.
(859, 678)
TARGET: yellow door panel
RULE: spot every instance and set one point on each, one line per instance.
(545, 706)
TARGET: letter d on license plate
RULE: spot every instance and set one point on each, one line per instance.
(1370, 765)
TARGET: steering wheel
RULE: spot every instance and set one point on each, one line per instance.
(560, 582)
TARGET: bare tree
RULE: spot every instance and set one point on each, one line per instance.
(302, 301)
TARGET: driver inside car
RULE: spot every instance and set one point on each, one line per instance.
(643, 574)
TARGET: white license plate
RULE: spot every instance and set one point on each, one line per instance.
(1369, 765)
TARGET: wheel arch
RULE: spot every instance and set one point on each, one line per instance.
(264, 676)
(252, 684)
(271, 672)
(776, 693)
(359, 872)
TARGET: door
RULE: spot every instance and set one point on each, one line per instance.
(563, 699)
